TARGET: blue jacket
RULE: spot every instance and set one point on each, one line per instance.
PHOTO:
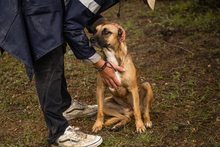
(29, 29)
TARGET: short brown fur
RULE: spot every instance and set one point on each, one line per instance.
(131, 98)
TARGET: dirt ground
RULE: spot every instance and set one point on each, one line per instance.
(182, 68)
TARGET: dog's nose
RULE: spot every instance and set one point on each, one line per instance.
(92, 39)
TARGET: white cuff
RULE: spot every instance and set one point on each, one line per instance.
(93, 59)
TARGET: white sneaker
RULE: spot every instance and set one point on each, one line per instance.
(73, 138)
(78, 109)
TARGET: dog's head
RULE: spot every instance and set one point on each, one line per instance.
(106, 36)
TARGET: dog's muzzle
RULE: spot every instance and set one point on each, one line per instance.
(93, 42)
(98, 42)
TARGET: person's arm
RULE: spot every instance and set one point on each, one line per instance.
(77, 17)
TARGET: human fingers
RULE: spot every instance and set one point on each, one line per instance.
(112, 78)
(122, 39)
(116, 67)
(123, 36)
(123, 32)
(106, 81)
(109, 77)
(107, 74)
(119, 68)
(114, 83)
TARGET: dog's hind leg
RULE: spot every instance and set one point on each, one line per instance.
(146, 98)
(124, 120)
(120, 113)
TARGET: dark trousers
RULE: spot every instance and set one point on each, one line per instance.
(52, 91)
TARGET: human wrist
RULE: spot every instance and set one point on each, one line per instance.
(103, 67)
(99, 64)
(93, 59)
(103, 64)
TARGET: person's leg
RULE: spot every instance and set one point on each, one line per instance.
(72, 108)
(54, 99)
(49, 78)
(66, 98)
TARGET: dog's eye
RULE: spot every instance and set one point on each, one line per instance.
(106, 32)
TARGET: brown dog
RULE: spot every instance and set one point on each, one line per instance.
(130, 98)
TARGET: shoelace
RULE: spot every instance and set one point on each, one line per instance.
(80, 134)
(74, 130)
(77, 102)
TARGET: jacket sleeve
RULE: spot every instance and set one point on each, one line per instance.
(81, 14)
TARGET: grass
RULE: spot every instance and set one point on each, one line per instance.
(185, 14)
(125, 138)
(186, 86)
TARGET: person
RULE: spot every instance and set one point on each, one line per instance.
(35, 32)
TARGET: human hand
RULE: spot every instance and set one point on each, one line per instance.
(122, 39)
(108, 73)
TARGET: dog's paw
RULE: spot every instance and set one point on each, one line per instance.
(148, 125)
(140, 128)
(117, 128)
(96, 130)
(97, 127)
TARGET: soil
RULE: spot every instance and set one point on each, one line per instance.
(173, 65)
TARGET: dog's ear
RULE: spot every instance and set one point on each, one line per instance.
(119, 33)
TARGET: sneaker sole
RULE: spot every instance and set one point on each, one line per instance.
(86, 115)
(95, 144)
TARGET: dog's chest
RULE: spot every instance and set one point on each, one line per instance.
(119, 79)
(111, 58)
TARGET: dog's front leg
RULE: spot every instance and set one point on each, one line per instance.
(100, 100)
(137, 113)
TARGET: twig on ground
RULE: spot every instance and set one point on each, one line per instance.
(173, 45)
(176, 68)
(159, 104)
